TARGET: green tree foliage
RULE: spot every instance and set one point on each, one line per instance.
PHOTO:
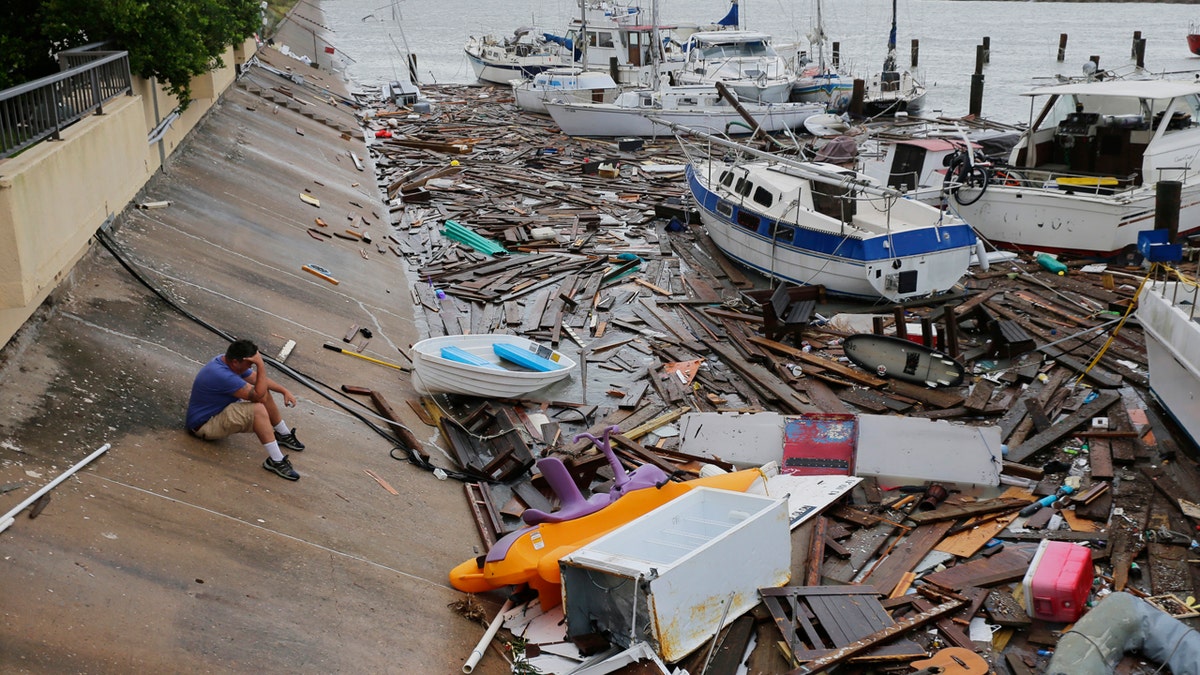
(171, 40)
(24, 53)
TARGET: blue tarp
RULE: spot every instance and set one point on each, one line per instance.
(566, 42)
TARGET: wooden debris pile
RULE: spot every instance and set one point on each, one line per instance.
(509, 226)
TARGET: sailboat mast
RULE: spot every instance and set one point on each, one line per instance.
(654, 48)
(583, 47)
(820, 40)
(889, 64)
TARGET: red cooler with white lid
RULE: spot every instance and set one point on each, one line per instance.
(1058, 581)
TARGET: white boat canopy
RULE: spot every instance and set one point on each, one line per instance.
(1152, 89)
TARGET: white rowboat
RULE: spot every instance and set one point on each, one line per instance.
(500, 378)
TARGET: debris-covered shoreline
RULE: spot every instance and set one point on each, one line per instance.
(511, 227)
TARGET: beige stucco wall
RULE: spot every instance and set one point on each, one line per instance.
(206, 89)
(56, 194)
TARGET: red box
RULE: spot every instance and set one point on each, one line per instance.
(1058, 581)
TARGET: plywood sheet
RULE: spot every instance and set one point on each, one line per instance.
(967, 543)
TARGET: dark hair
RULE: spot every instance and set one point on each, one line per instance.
(241, 349)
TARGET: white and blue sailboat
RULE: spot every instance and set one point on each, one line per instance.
(821, 82)
(823, 224)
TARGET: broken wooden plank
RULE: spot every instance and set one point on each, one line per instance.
(1063, 428)
(956, 511)
(863, 545)
(1006, 565)
(906, 554)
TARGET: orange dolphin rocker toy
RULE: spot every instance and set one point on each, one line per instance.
(530, 555)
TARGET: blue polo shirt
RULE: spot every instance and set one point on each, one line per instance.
(212, 391)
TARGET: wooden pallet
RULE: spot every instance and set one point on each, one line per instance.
(817, 621)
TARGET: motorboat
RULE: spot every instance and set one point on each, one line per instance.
(523, 55)
(640, 113)
(620, 38)
(643, 111)
(744, 60)
(1083, 178)
(892, 90)
(489, 366)
(568, 83)
(1169, 318)
(919, 159)
(818, 223)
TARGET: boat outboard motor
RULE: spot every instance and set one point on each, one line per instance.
(1121, 623)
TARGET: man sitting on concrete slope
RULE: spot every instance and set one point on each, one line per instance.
(232, 394)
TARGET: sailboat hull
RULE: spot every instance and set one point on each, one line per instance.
(913, 256)
(695, 107)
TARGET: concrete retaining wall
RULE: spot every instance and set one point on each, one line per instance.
(55, 195)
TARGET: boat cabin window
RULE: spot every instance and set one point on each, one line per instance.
(600, 39)
(748, 220)
(726, 178)
(763, 196)
(744, 187)
(647, 101)
(688, 100)
(725, 209)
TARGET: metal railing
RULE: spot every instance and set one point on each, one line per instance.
(40, 109)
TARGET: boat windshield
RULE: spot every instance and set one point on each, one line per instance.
(1123, 111)
(753, 49)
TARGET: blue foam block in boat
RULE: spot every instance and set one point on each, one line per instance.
(525, 358)
(453, 353)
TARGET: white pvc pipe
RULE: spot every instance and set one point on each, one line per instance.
(7, 519)
(477, 653)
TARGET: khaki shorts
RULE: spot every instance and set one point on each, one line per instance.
(234, 419)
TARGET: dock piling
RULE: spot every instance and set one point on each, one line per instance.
(1168, 196)
(975, 104)
(856, 97)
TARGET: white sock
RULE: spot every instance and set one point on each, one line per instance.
(273, 451)
(282, 428)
